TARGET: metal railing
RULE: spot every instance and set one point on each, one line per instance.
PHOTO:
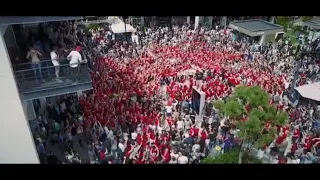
(42, 76)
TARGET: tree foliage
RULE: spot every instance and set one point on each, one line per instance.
(249, 109)
(231, 157)
(93, 26)
(297, 29)
(306, 18)
(283, 21)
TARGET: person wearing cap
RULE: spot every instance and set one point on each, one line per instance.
(75, 58)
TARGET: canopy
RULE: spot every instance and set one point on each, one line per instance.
(310, 91)
(7, 20)
(118, 28)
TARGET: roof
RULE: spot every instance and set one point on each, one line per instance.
(5, 20)
(310, 91)
(119, 28)
(256, 27)
(314, 23)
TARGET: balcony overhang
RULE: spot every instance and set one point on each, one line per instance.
(56, 91)
(10, 20)
(255, 27)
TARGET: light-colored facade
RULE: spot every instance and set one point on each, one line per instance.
(16, 144)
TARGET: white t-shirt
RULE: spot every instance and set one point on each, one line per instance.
(69, 157)
(183, 160)
(63, 107)
(134, 135)
(75, 58)
(169, 109)
(135, 39)
(180, 124)
(54, 58)
(139, 130)
(187, 124)
(121, 146)
(106, 130)
(159, 129)
(125, 136)
(195, 147)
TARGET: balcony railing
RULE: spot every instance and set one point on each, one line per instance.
(32, 77)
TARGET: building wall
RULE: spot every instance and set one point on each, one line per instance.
(16, 144)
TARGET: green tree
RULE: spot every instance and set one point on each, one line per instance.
(231, 158)
(306, 18)
(297, 29)
(249, 109)
(283, 21)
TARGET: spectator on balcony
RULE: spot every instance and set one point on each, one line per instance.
(34, 55)
(55, 61)
(75, 58)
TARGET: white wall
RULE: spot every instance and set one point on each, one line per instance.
(16, 144)
(29, 110)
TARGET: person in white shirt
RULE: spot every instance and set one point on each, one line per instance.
(121, 146)
(180, 125)
(75, 58)
(169, 110)
(55, 61)
(183, 159)
(187, 123)
(134, 135)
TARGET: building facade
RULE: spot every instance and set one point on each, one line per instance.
(16, 144)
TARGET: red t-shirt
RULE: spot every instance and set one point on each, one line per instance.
(204, 135)
(280, 139)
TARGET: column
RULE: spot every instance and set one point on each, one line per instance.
(272, 19)
(262, 39)
(43, 101)
(196, 22)
(29, 111)
(188, 19)
(16, 142)
(79, 94)
(210, 21)
(142, 21)
(223, 21)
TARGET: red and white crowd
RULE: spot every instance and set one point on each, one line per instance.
(141, 92)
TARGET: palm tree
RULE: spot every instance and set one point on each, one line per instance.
(249, 109)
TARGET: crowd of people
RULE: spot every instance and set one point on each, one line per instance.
(139, 111)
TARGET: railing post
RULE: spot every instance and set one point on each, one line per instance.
(48, 70)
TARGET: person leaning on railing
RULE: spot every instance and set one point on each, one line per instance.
(34, 55)
(75, 59)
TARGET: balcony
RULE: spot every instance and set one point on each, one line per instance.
(39, 80)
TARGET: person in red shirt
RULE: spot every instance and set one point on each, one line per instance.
(296, 134)
(166, 155)
(282, 136)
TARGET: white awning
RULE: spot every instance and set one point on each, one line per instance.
(310, 91)
(118, 28)
(7, 20)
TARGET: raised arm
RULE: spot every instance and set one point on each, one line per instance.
(28, 55)
(39, 53)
